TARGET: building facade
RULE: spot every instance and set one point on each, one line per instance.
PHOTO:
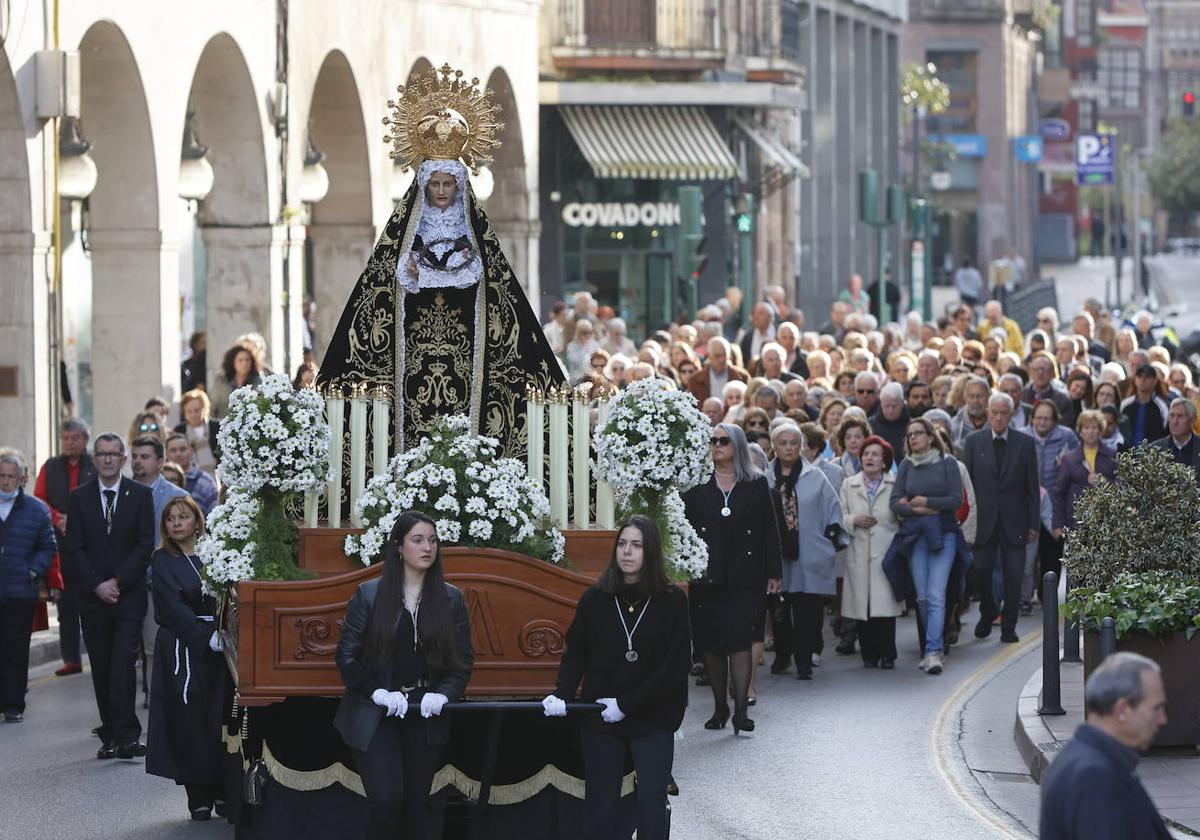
(987, 54)
(277, 106)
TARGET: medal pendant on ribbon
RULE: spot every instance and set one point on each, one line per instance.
(725, 511)
(631, 656)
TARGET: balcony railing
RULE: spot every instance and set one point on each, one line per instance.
(666, 29)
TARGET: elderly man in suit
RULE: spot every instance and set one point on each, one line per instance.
(110, 536)
(1091, 789)
(1179, 442)
(1003, 467)
(710, 380)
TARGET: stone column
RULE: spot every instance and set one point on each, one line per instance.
(339, 253)
(26, 420)
(245, 291)
(135, 324)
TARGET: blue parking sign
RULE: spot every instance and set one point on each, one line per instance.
(1095, 158)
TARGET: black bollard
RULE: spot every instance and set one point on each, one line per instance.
(1051, 682)
(1108, 638)
(1070, 634)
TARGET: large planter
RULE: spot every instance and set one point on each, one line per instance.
(1179, 659)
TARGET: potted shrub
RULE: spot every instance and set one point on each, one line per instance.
(1134, 556)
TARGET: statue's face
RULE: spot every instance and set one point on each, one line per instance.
(441, 189)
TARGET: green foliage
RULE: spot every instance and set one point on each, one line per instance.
(275, 540)
(1147, 520)
(1174, 173)
(921, 86)
(1159, 603)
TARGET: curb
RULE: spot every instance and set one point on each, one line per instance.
(1036, 743)
(43, 647)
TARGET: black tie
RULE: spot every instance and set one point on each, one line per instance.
(110, 500)
(998, 445)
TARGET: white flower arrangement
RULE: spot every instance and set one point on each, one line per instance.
(227, 547)
(275, 436)
(474, 496)
(653, 447)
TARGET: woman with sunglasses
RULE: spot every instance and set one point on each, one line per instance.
(734, 514)
(147, 423)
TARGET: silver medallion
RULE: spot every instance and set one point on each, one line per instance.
(631, 656)
(726, 511)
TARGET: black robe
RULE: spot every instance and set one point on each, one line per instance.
(442, 351)
(188, 680)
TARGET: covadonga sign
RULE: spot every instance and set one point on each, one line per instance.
(614, 214)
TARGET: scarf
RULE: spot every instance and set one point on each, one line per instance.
(787, 494)
(929, 456)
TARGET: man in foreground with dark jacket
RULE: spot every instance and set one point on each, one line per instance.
(1091, 790)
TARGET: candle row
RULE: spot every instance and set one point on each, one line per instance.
(335, 412)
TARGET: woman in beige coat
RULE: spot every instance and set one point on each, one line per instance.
(866, 594)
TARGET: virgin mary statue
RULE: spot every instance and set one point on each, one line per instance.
(437, 318)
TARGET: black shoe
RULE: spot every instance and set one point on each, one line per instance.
(134, 749)
(202, 814)
(804, 673)
(703, 680)
(950, 637)
(887, 664)
(781, 664)
(220, 808)
(845, 648)
(672, 787)
(741, 723)
(1027, 609)
(107, 750)
(718, 720)
(751, 701)
(14, 717)
(984, 628)
(1009, 637)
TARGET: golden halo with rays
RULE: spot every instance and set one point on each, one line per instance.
(441, 117)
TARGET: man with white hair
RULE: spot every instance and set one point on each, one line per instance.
(866, 392)
(777, 297)
(717, 371)
(796, 360)
(1014, 341)
(714, 409)
(616, 341)
(762, 330)
(890, 422)
(1084, 325)
(770, 363)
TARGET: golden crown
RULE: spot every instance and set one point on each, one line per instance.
(441, 117)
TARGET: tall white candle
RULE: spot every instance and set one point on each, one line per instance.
(380, 409)
(558, 458)
(579, 452)
(536, 423)
(605, 508)
(335, 410)
(358, 450)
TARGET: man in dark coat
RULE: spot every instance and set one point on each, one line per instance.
(26, 548)
(110, 535)
(1179, 442)
(1091, 790)
(1003, 467)
(891, 417)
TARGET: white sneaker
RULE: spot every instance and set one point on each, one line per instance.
(816, 660)
(935, 664)
(924, 663)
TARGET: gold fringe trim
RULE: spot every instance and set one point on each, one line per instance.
(308, 780)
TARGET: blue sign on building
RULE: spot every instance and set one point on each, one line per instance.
(1028, 148)
(1095, 158)
(965, 145)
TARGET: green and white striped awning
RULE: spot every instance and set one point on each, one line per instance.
(659, 142)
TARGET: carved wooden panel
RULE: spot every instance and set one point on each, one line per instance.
(282, 634)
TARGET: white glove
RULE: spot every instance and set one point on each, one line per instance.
(395, 702)
(554, 706)
(215, 644)
(432, 703)
(612, 712)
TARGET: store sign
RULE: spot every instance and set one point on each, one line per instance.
(1095, 158)
(965, 145)
(614, 214)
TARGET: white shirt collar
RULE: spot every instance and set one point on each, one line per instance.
(1003, 437)
(116, 487)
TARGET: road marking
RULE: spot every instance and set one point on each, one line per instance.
(939, 742)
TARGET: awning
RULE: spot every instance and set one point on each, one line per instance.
(658, 142)
(772, 147)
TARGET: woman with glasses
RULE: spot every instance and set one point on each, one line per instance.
(734, 514)
(927, 493)
(755, 420)
(147, 423)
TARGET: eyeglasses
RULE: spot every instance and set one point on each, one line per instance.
(864, 390)
(148, 427)
(916, 433)
(99, 455)
(718, 441)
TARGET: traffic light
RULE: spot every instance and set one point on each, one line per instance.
(743, 213)
(1189, 103)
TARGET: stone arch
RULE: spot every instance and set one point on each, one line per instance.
(19, 346)
(509, 205)
(340, 232)
(231, 257)
(130, 273)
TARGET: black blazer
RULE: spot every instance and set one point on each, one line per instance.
(653, 691)
(357, 715)
(91, 556)
(743, 548)
(1090, 792)
(1007, 500)
(1189, 455)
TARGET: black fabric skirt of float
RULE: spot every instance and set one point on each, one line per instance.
(727, 620)
(537, 785)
